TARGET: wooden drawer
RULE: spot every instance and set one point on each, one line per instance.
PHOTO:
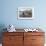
(16, 41)
(12, 44)
(34, 39)
(13, 33)
(37, 39)
(12, 39)
(37, 44)
(34, 33)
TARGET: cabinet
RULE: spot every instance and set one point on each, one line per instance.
(34, 39)
(12, 39)
(23, 39)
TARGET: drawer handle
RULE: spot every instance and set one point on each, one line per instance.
(33, 39)
(11, 38)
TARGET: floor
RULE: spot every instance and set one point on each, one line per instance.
(0, 44)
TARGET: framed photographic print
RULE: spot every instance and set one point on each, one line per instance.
(25, 13)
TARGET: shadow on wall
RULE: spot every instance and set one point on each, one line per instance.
(2, 26)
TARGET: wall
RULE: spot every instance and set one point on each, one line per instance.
(9, 13)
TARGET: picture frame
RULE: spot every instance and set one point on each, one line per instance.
(25, 13)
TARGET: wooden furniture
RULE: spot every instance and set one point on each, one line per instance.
(23, 39)
(34, 39)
